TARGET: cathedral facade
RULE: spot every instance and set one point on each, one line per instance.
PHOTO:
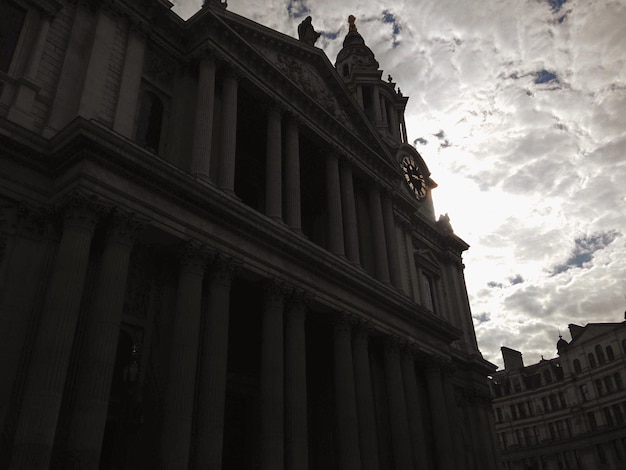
(219, 250)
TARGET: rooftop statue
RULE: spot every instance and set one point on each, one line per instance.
(306, 33)
(351, 20)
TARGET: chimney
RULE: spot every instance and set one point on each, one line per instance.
(512, 359)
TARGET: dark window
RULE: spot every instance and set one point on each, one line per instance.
(608, 417)
(562, 400)
(592, 360)
(617, 413)
(577, 366)
(618, 381)
(600, 354)
(591, 417)
(608, 382)
(11, 23)
(150, 121)
(346, 70)
(547, 376)
(609, 353)
(600, 387)
(584, 393)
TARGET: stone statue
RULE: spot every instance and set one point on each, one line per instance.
(351, 20)
(306, 33)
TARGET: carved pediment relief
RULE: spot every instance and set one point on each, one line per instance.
(311, 82)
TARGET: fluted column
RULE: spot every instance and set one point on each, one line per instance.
(333, 204)
(349, 212)
(228, 133)
(345, 396)
(421, 458)
(444, 449)
(50, 359)
(272, 379)
(381, 263)
(296, 425)
(273, 173)
(24, 264)
(209, 435)
(93, 382)
(292, 175)
(368, 436)
(400, 437)
(130, 83)
(180, 387)
(203, 129)
(391, 238)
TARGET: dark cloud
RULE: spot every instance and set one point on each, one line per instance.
(556, 4)
(584, 249)
(482, 318)
(388, 17)
(298, 8)
(493, 284)
(441, 135)
(517, 279)
(421, 141)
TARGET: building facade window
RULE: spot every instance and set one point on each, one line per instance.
(609, 353)
(600, 354)
(11, 24)
(577, 368)
(150, 121)
(592, 360)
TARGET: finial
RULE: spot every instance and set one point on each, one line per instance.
(351, 20)
(389, 79)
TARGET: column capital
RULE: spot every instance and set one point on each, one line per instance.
(80, 209)
(363, 329)
(274, 290)
(343, 323)
(231, 71)
(123, 226)
(192, 256)
(393, 344)
(222, 268)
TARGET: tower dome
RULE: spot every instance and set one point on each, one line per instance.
(355, 55)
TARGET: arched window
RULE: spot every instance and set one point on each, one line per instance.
(149, 121)
(600, 354)
(609, 353)
(577, 367)
(592, 360)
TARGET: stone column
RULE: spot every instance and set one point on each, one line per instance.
(24, 264)
(368, 436)
(228, 133)
(296, 426)
(97, 68)
(444, 449)
(97, 361)
(203, 129)
(209, 435)
(345, 396)
(486, 434)
(421, 458)
(390, 236)
(273, 172)
(181, 382)
(27, 89)
(381, 261)
(292, 175)
(50, 358)
(272, 379)
(333, 204)
(376, 105)
(130, 84)
(414, 278)
(349, 213)
(400, 434)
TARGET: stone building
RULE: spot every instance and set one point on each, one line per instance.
(220, 251)
(568, 412)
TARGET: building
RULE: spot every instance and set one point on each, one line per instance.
(219, 251)
(568, 412)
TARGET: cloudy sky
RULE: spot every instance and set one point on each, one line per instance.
(519, 109)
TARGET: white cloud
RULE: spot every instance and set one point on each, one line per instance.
(532, 164)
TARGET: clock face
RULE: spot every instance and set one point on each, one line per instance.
(414, 177)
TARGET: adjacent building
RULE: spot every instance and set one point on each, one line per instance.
(568, 412)
(219, 250)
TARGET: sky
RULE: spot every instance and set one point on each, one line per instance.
(519, 110)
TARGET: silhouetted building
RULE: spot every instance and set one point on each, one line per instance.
(219, 251)
(568, 412)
